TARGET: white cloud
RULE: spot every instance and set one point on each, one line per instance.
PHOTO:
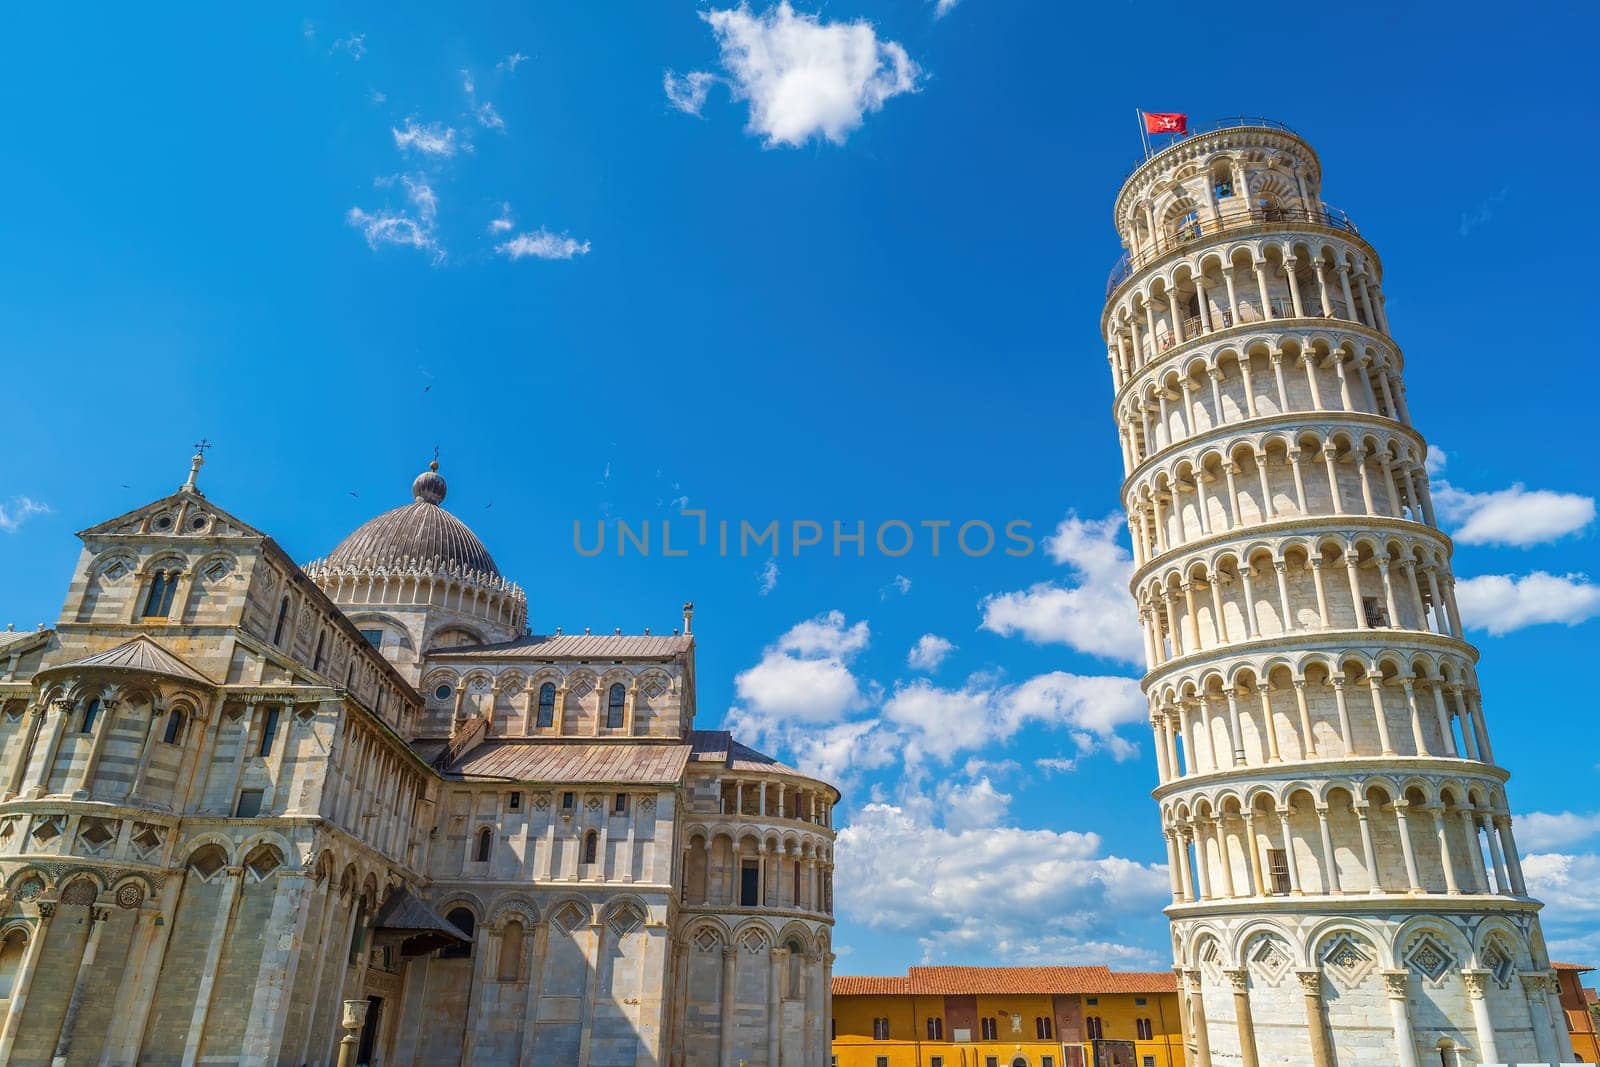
(487, 116)
(972, 805)
(377, 96)
(390, 227)
(542, 244)
(509, 63)
(19, 511)
(973, 889)
(826, 635)
(806, 78)
(502, 223)
(929, 651)
(355, 45)
(767, 577)
(1501, 603)
(1514, 516)
(1539, 830)
(938, 722)
(1094, 616)
(1436, 462)
(1471, 220)
(687, 92)
(805, 676)
(431, 139)
(899, 584)
(1056, 765)
(941, 8)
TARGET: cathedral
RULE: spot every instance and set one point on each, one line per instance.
(252, 811)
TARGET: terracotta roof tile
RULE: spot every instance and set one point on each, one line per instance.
(1580, 967)
(1000, 981)
(863, 986)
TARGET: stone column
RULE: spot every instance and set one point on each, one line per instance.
(1476, 980)
(19, 766)
(1197, 1006)
(1240, 978)
(1539, 1011)
(1405, 1042)
(1311, 987)
(98, 914)
(530, 1011)
(1368, 852)
(775, 958)
(730, 962)
(1407, 850)
(234, 877)
(24, 979)
(597, 939)
(1329, 860)
(52, 744)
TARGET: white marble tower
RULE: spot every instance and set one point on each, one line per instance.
(1346, 887)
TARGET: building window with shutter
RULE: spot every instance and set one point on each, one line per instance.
(1278, 867)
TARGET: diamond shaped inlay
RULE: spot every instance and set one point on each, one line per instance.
(1429, 958)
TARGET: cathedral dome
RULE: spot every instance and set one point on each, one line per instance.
(420, 534)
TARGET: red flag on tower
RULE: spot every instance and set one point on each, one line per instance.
(1165, 122)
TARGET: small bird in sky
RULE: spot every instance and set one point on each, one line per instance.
(125, 485)
(353, 493)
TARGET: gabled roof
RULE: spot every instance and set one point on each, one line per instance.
(572, 646)
(718, 746)
(1003, 981)
(13, 640)
(620, 762)
(140, 654)
(120, 524)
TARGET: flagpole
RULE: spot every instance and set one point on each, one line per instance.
(1144, 138)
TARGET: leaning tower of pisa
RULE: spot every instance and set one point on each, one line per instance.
(1345, 881)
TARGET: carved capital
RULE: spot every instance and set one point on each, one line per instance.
(1396, 982)
(1476, 980)
(1240, 977)
(1310, 982)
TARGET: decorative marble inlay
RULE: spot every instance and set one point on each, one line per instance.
(1429, 958)
(706, 941)
(130, 895)
(1348, 958)
(570, 917)
(1270, 959)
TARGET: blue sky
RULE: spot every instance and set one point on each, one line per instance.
(874, 297)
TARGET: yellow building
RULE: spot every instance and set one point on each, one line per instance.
(1007, 1017)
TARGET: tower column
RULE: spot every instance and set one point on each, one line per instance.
(1476, 981)
(1405, 1042)
(1240, 979)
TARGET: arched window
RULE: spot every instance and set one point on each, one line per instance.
(615, 702)
(935, 1029)
(591, 845)
(462, 920)
(12, 948)
(91, 712)
(511, 952)
(158, 602)
(485, 842)
(547, 704)
(174, 732)
(283, 622)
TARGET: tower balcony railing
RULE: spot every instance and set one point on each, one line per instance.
(1194, 229)
(1223, 319)
(1232, 122)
